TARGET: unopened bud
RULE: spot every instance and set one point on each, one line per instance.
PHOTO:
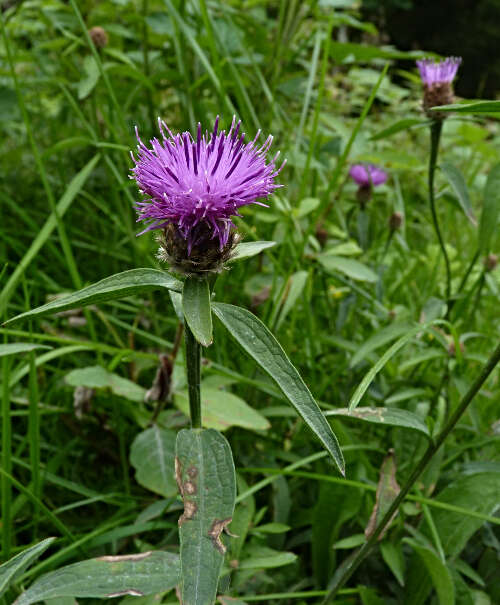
(98, 36)
(490, 262)
(395, 221)
(364, 194)
(452, 351)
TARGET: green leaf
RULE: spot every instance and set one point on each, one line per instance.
(96, 377)
(268, 561)
(196, 307)
(399, 126)
(105, 577)
(351, 542)
(457, 182)
(89, 81)
(14, 567)
(438, 571)
(271, 528)
(206, 478)
(152, 455)
(350, 267)
(387, 416)
(248, 249)
(14, 348)
(491, 209)
(391, 351)
(478, 107)
(45, 232)
(128, 283)
(480, 493)
(260, 344)
(382, 337)
(221, 410)
(393, 556)
(293, 290)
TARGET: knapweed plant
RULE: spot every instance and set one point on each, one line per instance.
(192, 188)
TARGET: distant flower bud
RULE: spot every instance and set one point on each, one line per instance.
(490, 262)
(437, 78)
(194, 187)
(452, 351)
(395, 221)
(98, 36)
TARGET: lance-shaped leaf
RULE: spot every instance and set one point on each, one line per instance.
(248, 249)
(387, 416)
(128, 283)
(206, 479)
(105, 577)
(457, 182)
(438, 571)
(387, 490)
(196, 307)
(261, 345)
(14, 567)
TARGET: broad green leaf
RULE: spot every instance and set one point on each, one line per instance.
(110, 576)
(269, 561)
(260, 344)
(457, 182)
(438, 571)
(348, 266)
(306, 206)
(391, 351)
(248, 249)
(488, 224)
(399, 126)
(196, 307)
(293, 290)
(205, 474)
(479, 493)
(351, 542)
(271, 528)
(152, 455)
(96, 377)
(14, 567)
(387, 491)
(128, 283)
(382, 337)
(14, 348)
(386, 416)
(90, 79)
(48, 227)
(220, 410)
(478, 107)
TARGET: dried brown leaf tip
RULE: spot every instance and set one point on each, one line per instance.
(387, 490)
(186, 488)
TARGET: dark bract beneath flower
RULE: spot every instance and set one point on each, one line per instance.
(197, 185)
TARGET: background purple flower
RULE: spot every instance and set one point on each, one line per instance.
(198, 185)
(366, 175)
(438, 72)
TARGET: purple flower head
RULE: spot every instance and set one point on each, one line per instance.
(366, 175)
(438, 72)
(197, 185)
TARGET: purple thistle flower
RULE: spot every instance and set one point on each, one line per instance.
(438, 72)
(366, 175)
(197, 185)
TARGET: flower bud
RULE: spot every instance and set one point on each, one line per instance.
(395, 221)
(99, 36)
(490, 262)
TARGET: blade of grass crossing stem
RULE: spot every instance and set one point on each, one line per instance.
(374, 370)
(34, 434)
(254, 337)
(45, 232)
(205, 474)
(196, 307)
(309, 89)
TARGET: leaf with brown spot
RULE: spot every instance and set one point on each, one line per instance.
(387, 490)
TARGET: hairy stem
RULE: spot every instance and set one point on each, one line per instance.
(356, 560)
(436, 128)
(193, 371)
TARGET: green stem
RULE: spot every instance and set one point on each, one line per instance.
(436, 128)
(433, 447)
(193, 371)
(6, 461)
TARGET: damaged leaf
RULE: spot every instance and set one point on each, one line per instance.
(105, 577)
(205, 475)
(387, 490)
